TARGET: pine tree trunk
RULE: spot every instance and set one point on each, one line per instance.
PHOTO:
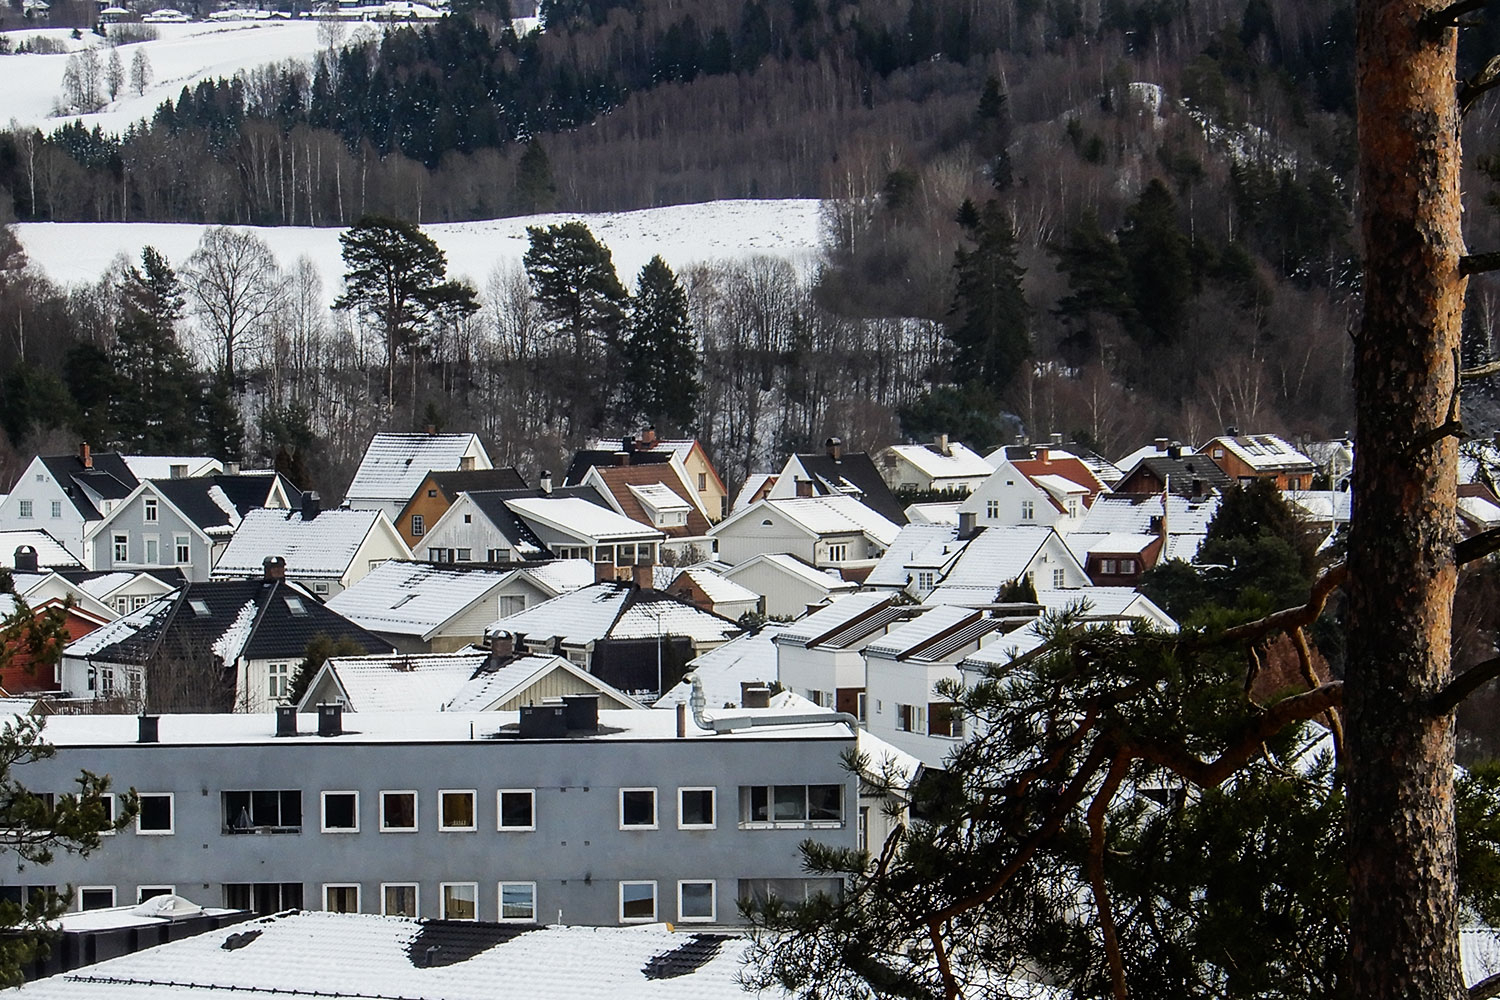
(1403, 915)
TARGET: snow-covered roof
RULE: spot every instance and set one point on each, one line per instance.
(1106, 602)
(657, 497)
(959, 462)
(997, 554)
(715, 587)
(887, 761)
(50, 553)
(394, 465)
(1262, 452)
(172, 466)
(811, 575)
(1133, 515)
(1324, 505)
(558, 576)
(413, 598)
(932, 513)
(749, 659)
(754, 483)
(1004, 648)
(615, 611)
(363, 955)
(1481, 510)
(835, 514)
(121, 628)
(1117, 543)
(100, 587)
(927, 546)
(577, 517)
(401, 682)
(489, 688)
(321, 546)
(919, 638)
(1060, 486)
(845, 613)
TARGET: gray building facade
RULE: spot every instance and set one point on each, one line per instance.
(455, 815)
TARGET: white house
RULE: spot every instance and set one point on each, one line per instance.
(830, 532)
(574, 528)
(941, 465)
(480, 527)
(173, 466)
(66, 495)
(325, 550)
(423, 608)
(788, 586)
(996, 557)
(125, 591)
(1052, 492)
(819, 657)
(394, 466)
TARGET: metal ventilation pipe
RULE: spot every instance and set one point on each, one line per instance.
(729, 723)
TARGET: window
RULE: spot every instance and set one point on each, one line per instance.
(139, 601)
(122, 548)
(838, 552)
(794, 891)
(861, 705)
(182, 549)
(637, 901)
(279, 681)
(495, 555)
(398, 899)
(153, 550)
(122, 605)
(702, 481)
(516, 808)
(26, 508)
(340, 812)
(1028, 510)
(456, 810)
(418, 525)
(468, 519)
(107, 800)
(320, 588)
(1059, 579)
(925, 579)
(517, 902)
(638, 809)
(1127, 566)
(341, 898)
(791, 805)
(695, 808)
(945, 719)
(398, 812)
(155, 817)
(695, 901)
(57, 512)
(992, 509)
(432, 493)
(263, 812)
(96, 897)
(151, 512)
(1218, 453)
(910, 718)
(440, 555)
(1108, 567)
(465, 555)
(460, 900)
(145, 892)
(263, 897)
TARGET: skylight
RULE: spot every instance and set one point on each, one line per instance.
(296, 607)
(200, 607)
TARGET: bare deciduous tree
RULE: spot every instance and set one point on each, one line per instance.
(236, 288)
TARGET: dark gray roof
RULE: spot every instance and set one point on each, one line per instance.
(1191, 474)
(469, 481)
(245, 493)
(585, 460)
(859, 471)
(108, 476)
(492, 503)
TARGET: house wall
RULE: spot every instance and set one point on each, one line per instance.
(891, 684)
(1053, 557)
(711, 494)
(1000, 500)
(382, 544)
(1240, 471)
(765, 531)
(452, 532)
(431, 505)
(37, 485)
(577, 855)
(130, 521)
(23, 673)
(554, 685)
(785, 595)
(825, 671)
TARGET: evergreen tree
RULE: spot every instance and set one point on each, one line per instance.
(1156, 253)
(223, 432)
(535, 189)
(154, 402)
(89, 373)
(988, 320)
(574, 282)
(661, 350)
(1098, 278)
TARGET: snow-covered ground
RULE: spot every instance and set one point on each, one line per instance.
(73, 253)
(31, 85)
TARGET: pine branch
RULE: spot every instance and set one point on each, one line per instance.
(1098, 809)
(1479, 263)
(1463, 685)
(1452, 16)
(1486, 989)
(1289, 618)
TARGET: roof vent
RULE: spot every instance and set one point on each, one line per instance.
(25, 559)
(545, 482)
(581, 712)
(167, 907)
(149, 732)
(544, 722)
(331, 719)
(311, 505)
(286, 720)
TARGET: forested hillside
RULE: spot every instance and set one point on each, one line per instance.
(1106, 218)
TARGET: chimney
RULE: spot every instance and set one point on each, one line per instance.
(681, 720)
(149, 732)
(804, 488)
(627, 444)
(604, 572)
(274, 567)
(968, 525)
(1174, 450)
(331, 719)
(231, 468)
(25, 561)
(835, 448)
(286, 720)
(581, 712)
(754, 695)
(502, 646)
(1057, 440)
(1045, 455)
(648, 436)
(311, 505)
(545, 482)
(643, 576)
(940, 444)
(1161, 444)
(544, 722)
(85, 456)
(1232, 431)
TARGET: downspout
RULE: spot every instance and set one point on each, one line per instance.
(730, 723)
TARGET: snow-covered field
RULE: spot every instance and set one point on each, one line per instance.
(31, 85)
(72, 253)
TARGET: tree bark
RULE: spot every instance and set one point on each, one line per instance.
(1403, 912)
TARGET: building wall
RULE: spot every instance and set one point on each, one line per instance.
(577, 855)
(828, 671)
(22, 673)
(785, 595)
(892, 684)
(431, 505)
(750, 536)
(1000, 500)
(131, 522)
(452, 532)
(37, 485)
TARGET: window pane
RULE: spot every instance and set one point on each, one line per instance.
(156, 812)
(401, 901)
(757, 804)
(825, 802)
(458, 810)
(340, 811)
(96, 899)
(516, 809)
(638, 901)
(791, 802)
(398, 810)
(341, 898)
(517, 901)
(697, 807)
(638, 808)
(460, 901)
(697, 901)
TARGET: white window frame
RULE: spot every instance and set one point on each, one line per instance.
(500, 916)
(165, 890)
(358, 896)
(152, 512)
(418, 526)
(416, 898)
(500, 809)
(838, 551)
(713, 901)
(121, 548)
(323, 826)
(27, 507)
(655, 810)
(443, 888)
(473, 795)
(655, 901)
(713, 798)
(416, 812)
(1028, 510)
(171, 798)
(991, 509)
(57, 508)
(113, 895)
(278, 681)
(182, 549)
(1059, 579)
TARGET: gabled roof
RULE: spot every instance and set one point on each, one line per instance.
(612, 610)
(257, 619)
(1068, 471)
(791, 565)
(103, 582)
(319, 546)
(1262, 452)
(756, 485)
(396, 682)
(825, 515)
(494, 686)
(1191, 474)
(107, 477)
(588, 458)
(852, 473)
(414, 598)
(830, 625)
(559, 576)
(715, 586)
(935, 635)
(958, 462)
(918, 546)
(494, 505)
(394, 465)
(749, 659)
(999, 553)
(162, 466)
(451, 483)
(680, 447)
(1141, 514)
(636, 489)
(579, 518)
(216, 504)
(50, 553)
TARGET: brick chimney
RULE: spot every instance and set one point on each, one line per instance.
(804, 488)
(643, 576)
(84, 455)
(275, 567)
(835, 448)
(648, 437)
(604, 572)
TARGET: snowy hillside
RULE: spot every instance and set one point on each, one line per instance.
(31, 85)
(73, 253)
